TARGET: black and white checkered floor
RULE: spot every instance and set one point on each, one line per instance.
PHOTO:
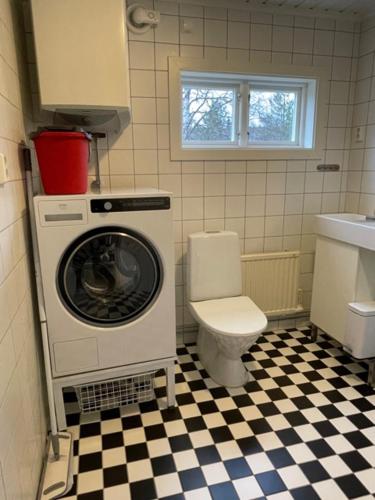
(303, 429)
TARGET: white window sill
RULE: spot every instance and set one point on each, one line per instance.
(249, 153)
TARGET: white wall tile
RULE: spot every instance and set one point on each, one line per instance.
(282, 39)
(214, 207)
(214, 184)
(261, 37)
(145, 161)
(256, 184)
(215, 33)
(238, 35)
(312, 203)
(255, 205)
(236, 225)
(274, 226)
(314, 182)
(143, 110)
(339, 93)
(343, 44)
(292, 224)
(303, 41)
(141, 55)
(294, 203)
(142, 83)
(161, 82)
(254, 227)
(192, 208)
(170, 183)
(121, 161)
(167, 30)
(191, 10)
(323, 42)
(235, 184)
(215, 13)
(146, 181)
(295, 182)
(276, 183)
(341, 68)
(192, 185)
(235, 206)
(144, 136)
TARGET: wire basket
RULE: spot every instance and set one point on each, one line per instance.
(114, 393)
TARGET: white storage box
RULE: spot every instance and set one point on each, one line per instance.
(360, 330)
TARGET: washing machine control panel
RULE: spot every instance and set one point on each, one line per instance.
(105, 205)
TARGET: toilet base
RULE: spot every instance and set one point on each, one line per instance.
(223, 370)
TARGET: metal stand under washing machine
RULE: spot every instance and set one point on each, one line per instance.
(107, 269)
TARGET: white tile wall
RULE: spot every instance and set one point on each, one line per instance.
(22, 415)
(361, 174)
(269, 203)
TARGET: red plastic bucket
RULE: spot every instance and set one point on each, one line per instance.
(63, 159)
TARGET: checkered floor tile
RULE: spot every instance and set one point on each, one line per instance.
(304, 428)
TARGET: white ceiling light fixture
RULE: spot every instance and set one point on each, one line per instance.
(139, 19)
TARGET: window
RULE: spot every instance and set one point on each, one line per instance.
(222, 110)
(212, 109)
(209, 113)
(274, 116)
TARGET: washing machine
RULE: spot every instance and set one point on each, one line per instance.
(107, 269)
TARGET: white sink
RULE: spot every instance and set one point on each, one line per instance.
(353, 229)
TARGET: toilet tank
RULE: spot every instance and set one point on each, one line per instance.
(214, 265)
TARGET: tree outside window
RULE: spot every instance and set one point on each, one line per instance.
(207, 114)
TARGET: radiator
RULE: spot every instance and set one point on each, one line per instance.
(271, 281)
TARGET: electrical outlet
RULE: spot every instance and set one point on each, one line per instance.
(4, 174)
(359, 134)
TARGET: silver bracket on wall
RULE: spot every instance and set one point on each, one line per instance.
(328, 167)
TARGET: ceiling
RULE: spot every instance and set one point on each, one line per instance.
(346, 7)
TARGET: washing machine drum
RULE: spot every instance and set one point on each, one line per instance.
(109, 276)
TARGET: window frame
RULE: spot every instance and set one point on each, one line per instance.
(314, 104)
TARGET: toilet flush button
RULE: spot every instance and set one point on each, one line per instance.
(108, 205)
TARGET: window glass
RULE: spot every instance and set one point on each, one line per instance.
(273, 116)
(208, 114)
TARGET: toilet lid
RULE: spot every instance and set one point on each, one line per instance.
(230, 316)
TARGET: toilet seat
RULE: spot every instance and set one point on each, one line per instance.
(235, 316)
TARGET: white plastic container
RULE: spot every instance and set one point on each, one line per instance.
(360, 330)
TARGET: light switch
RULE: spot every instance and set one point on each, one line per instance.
(4, 174)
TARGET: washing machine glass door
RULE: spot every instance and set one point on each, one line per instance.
(109, 276)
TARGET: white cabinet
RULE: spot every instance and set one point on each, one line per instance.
(344, 270)
(82, 54)
(334, 285)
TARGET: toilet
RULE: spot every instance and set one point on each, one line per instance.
(229, 323)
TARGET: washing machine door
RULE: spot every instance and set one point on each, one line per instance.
(109, 276)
